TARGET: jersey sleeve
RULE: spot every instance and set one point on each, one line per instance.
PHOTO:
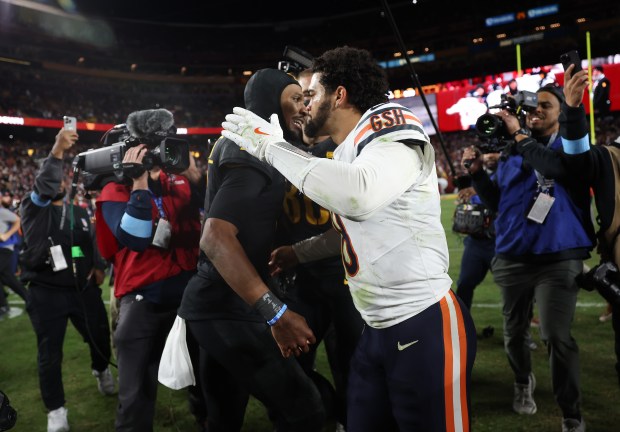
(382, 171)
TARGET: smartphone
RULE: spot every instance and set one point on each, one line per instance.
(70, 123)
(571, 57)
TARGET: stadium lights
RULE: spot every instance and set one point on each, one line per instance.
(410, 52)
(427, 49)
(501, 36)
(397, 54)
(581, 20)
(554, 25)
(247, 73)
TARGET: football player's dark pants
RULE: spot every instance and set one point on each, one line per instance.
(7, 275)
(415, 375)
(553, 287)
(242, 358)
(326, 304)
(49, 311)
(475, 264)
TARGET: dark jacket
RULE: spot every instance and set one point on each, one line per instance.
(598, 167)
(44, 224)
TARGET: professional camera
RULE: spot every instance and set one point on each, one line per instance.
(491, 128)
(155, 129)
(605, 279)
(8, 416)
(295, 60)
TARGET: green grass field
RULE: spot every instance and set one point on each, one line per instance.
(491, 383)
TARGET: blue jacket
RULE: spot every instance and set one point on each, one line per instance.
(563, 228)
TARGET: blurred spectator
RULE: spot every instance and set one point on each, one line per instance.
(601, 86)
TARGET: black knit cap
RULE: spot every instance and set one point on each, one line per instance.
(262, 92)
(555, 91)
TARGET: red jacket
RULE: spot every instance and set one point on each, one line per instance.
(133, 269)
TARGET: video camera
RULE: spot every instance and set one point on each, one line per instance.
(491, 129)
(605, 279)
(154, 128)
(295, 60)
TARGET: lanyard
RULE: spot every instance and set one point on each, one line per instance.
(63, 216)
(158, 204)
(546, 184)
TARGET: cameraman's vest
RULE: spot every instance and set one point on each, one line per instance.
(133, 269)
(609, 241)
(563, 228)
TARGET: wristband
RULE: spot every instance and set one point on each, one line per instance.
(275, 319)
(270, 307)
(521, 131)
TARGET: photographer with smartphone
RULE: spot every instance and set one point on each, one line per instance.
(64, 273)
(599, 165)
(543, 233)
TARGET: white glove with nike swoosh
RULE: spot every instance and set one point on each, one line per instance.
(252, 133)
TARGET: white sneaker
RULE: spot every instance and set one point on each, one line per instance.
(57, 420)
(105, 381)
(523, 402)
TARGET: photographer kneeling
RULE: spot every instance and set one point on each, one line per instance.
(543, 232)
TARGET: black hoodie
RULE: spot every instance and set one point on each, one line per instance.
(253, 211)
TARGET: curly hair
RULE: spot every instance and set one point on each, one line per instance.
(355, 70)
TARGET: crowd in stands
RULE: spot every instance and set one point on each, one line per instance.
(43, 93)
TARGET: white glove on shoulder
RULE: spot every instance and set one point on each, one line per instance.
(252, 133)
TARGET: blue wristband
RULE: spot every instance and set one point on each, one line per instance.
(275, 319)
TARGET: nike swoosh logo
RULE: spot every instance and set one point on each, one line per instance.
(407, 345)
(260, 132)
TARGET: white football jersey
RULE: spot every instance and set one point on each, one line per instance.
(397, 259)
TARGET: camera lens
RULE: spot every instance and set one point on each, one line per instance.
(172, 156)
(488, 125)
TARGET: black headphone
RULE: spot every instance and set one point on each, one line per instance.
(8, 416)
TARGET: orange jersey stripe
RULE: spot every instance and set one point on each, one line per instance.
(462, 336)
(448, 378)
(412, 117)
(361, 134)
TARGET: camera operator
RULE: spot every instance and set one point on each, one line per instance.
(543, 232)
(479, 246)
(599, 165)
(149, 229)
(64, 273)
